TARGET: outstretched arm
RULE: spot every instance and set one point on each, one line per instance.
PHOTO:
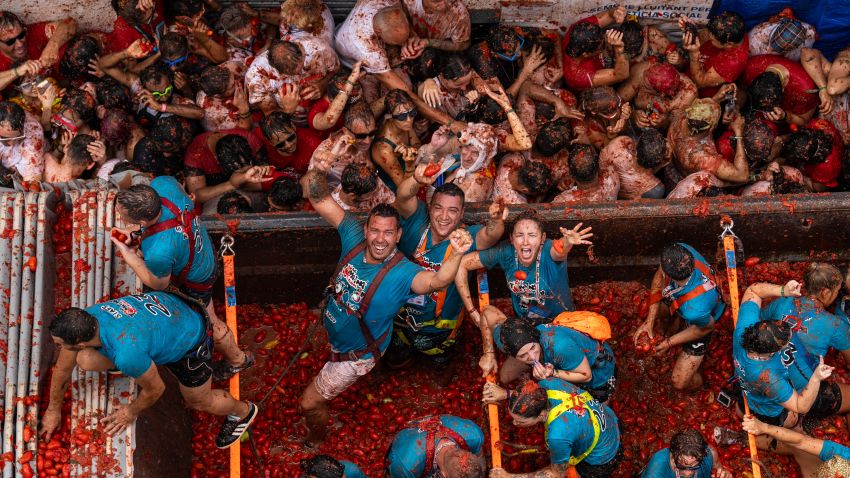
(426, 282)
(315, 184)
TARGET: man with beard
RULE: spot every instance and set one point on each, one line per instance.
(370, 285)
(27, 49)
(137, 20)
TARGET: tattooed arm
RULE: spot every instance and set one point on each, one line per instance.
(406, 201)
(315, 184)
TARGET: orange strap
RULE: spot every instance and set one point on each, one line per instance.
(420, 253)
(699, 290)
(230, 310)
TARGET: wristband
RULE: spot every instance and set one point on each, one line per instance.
(510, 111)
(429, 43)
(737, 137)
(782, 290)
(351, 83)
(449, 124)
(15, 71)
(245, 115)
(162, 108)
(508, 397)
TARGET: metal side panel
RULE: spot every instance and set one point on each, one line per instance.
(91, 242)
(76, 203)
(106, 291)
(9, 423)
(6, 204)
(100, 239)
(27, 289)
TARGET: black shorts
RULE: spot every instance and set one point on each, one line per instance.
(828, 401)
(698, 347)
(402, 349)
(203, 292)
(601, 471)
(603, 393)
(195, 368)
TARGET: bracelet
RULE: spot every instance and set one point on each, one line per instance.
(821, 88)
(449, 124)
(510, 111)
(508, 397)
(15, 71)
(785, 116)
(429, 43)
(736, 137)
(782, 290)
(245, 115)
(350, 83)
(163, 107)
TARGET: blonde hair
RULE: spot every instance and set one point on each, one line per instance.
(303, 14)
(835, 467)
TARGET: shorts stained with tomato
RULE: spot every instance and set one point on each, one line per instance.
(335, 377)
(203, 293)
(407, 342)
(195, 368)
(828, 401)
(604, 470)
(698, 347)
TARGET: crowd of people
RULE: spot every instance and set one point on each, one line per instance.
(400, 112)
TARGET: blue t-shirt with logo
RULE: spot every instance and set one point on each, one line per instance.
(422, 308)
(571, 433)
(349, 289)
(167, 252)
(701, 309)
(352, 470)
(767, 383)
(406, 458)
(137, 330)
(659, 466)
(831, 449)
(814, 331)
(542, 297)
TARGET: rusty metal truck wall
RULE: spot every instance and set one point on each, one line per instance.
(289, 256)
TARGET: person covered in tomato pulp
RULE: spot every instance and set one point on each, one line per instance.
(443, 445)
(689, 456)
(324, 466)
(134, 334)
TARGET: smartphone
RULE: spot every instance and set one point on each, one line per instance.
(43, 85)
(725, 399)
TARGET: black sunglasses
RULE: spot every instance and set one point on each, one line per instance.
(370, 134)
(12, 41)
(288, 139)
(407, 114)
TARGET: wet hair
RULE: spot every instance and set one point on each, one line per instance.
(427, 65)
(650, 148)
(322, 466)
(807, 146)
(6, 177)
(140, 201)
(74, 326)
(337, 83)
(122, 167)
(822, 275)
(358, 179)
(274, 123)
(172, 132)
(127, 10)
(765, 92)
(632, 37)
(156, 73)
(74, 64)
(599, 99)
(535, 38)
(148, 159)
(384, 210)
(173, 45)
(584, 37)
(233, 202)
(13, 114)
(77, 152)
(758, 141)
(529, 399)
(113, 95)
(285, 192)
(83, 103)
(529, 215)
(455, 66)
(9, 20)
(536, 176)
(544, 111)
(214, 80)
(677, 261)
(462, 463)
(233, 152)
(303, 14)
(232, 18)
(782, 184)
(553, 137)
(286, 57)
(486, 110)
(359, 113)
(503, 39)
(182, 8)
(516, 333)
(449, 189)
(583, 162)
(710, 192)
(728, 27)
(396, 98)
(766, 336)
(689, 443)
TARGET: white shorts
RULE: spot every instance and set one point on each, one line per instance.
(335, 377)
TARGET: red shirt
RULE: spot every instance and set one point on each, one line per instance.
(828, 171)
(320, 106)
(199, 156)
(795, 97)
(307, 142)
(124, 34)
(728, 63)
(578, 72)
(36, 41)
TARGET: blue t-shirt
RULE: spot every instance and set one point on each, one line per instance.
(571, 433)
(422, 308)
(406, 458)
(701, 309)
(352, 470)
(167, 252)
(350, 287)
(546, 301)
(831, 449)
(659, 466)
(814, 331)
(767, 383)
(565, 348)
(137, 330)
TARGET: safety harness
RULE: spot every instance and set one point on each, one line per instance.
(372, 345)
(570, 401)
(185, 220)
(435, 430)
(697, 291)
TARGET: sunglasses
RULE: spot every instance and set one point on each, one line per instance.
(12, 41)
(160, 94)
(176, 61)
(370, 134)
(13, 138)
(407, 114)
(516, 52)
(687, 468)
(285, 141)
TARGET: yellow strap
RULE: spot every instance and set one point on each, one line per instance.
(568, 402)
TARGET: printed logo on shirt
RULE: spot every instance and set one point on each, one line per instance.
(349, 288)
(526, 293)
(796, 323)
(787, 354)
(126, 308)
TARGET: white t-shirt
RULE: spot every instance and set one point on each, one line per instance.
(25, 155)
(452, 24)
(264, 81)
(356, 38)
(760, 40)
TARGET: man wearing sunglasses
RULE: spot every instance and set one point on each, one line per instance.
(689, 456)
(31, 48)
(286, 145)
(351, 144)
(21, 142)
